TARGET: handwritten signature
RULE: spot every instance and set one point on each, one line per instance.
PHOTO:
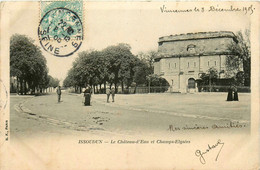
(201, 154)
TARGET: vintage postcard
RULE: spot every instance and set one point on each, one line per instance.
(129, 85)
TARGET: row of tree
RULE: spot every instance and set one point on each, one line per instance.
(211, 81)
(28, 66)
(115, 65)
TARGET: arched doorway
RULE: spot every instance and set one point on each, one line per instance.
(191, 83)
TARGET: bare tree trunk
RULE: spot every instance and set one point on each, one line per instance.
(105, 87)
(116, 81)
(21, 86)
(25, 88)
(33, 88)
(17, 85)
(122, 86)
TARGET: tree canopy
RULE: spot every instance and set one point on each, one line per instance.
(242, 57)
(115, 65)
(27, 64)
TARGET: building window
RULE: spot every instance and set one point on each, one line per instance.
(215, 63)
(188, 64)
(169, 65)
(175, 65)
(194, 64)
(208, 63)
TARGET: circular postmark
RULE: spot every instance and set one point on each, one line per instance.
(60, 32)
(4, 96)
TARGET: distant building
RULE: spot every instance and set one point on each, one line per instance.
(182, 58)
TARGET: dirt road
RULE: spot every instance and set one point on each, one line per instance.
(142, 114)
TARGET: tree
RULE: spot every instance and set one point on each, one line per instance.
(114, 65)
(100, 64)
(141, 71)
(88, 69)
(240, 78)
(158, 83)
(53, 82)
(27, 64)
(209, 78)
(69, 81)
(148, 58)
(120, 64)
(242, 56)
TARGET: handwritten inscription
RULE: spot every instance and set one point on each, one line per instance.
(229, 125)
(246, 9)
(201, 154)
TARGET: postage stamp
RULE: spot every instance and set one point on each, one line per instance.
(61, 30)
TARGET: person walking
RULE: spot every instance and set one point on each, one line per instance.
(235, 93)
(87, 96)
(58, 91)
(113, 94)
(230, 94)
(108, 94)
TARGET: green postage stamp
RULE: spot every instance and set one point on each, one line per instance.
(61, 30)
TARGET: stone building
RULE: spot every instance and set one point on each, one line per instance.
(182, 58)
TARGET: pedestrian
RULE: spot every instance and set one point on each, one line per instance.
(230, 95)
(87, 96)
(58, 91)
(113, 94)
(108, 94)
(235, 93)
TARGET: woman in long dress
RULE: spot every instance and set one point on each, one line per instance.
(230, 95)
(235, 94)
(87, 96)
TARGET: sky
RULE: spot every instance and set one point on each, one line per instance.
(140, 24)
